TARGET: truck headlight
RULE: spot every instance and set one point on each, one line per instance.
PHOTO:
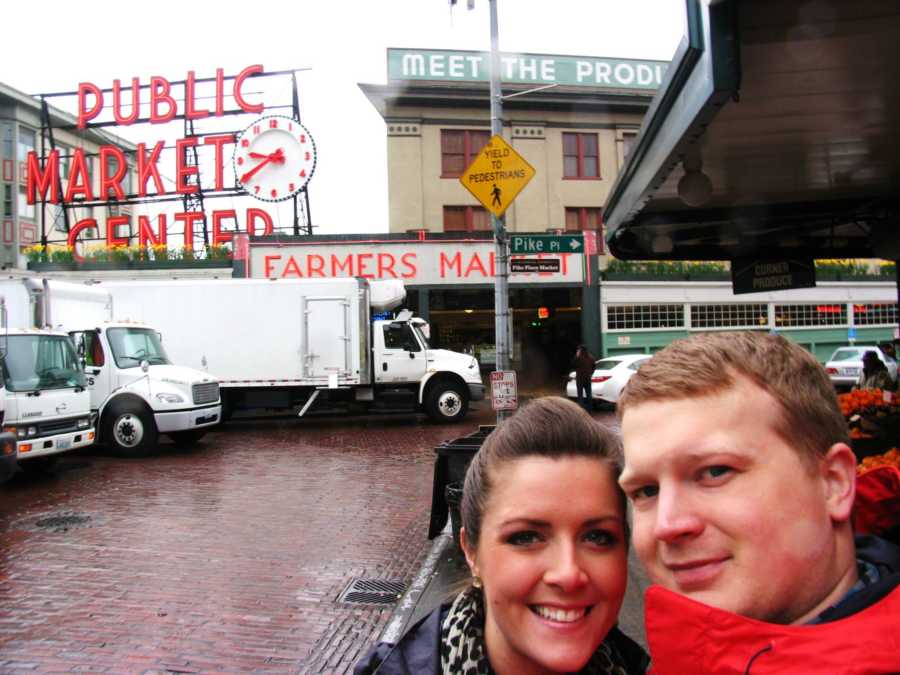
(170, 398)
(84, 422)
(32, 431)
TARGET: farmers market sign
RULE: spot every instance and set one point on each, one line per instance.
(537, 69)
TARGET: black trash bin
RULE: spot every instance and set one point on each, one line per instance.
(450, 466)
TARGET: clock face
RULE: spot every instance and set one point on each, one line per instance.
(274, 158)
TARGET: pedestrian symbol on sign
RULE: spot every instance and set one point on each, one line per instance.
(495, 196)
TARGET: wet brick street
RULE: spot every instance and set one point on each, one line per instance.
(226, 558)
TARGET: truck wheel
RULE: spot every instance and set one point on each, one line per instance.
(129, 428)
(186, 439)
(446, 401)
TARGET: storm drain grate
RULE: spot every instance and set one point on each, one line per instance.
(62, 522)
(372, 592)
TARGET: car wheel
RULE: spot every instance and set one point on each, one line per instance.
(129, 428)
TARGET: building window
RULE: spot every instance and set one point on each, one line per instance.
(6, 150)
(65, 160)
(26, 143)
(25, 209)
(580, 218)
(458, 148)
(622, 317)
(810, 315)
(875, 314)
(466, 219)
(751, 315)
(7, 200)
(581, 156)
(628, 141)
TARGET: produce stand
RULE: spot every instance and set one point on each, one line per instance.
(873, 417)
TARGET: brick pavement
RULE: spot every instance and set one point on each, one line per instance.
(225, 559)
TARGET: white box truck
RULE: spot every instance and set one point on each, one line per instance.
(135, 392)
(304, 343)
(44, 403)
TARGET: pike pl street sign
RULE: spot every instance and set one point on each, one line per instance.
(497, 175)
(546, 243)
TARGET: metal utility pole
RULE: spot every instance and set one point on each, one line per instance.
(501, 242)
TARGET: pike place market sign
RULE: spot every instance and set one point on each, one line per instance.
(537, 69)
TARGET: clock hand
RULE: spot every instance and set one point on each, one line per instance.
(277, 157)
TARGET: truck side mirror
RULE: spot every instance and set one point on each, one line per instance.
(145, 365)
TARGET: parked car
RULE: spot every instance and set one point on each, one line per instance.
(609, 378)
(845, 364)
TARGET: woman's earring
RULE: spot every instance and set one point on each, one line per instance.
(476, 581)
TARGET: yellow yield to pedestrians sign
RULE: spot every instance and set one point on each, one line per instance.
(497, 175)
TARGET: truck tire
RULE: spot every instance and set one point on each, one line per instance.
(446, 401)
(129, 428)
(187, 439)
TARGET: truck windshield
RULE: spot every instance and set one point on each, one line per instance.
(34, 362)
(130, 346)
(418, 328)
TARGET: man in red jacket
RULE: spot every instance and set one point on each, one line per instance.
(741, 480)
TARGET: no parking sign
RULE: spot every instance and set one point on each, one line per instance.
(504, 394)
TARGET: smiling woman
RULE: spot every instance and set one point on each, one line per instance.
(545, 536)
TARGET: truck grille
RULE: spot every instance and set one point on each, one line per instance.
(57, 426)
(205, 392)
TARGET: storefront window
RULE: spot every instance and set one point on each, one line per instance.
(875, 314)
(810, 315)
(750, 315)
(620, 317)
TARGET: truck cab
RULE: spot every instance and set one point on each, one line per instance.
(445, 381)
(46, 405)
(137, 393)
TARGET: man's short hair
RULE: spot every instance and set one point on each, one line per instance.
(807, 418)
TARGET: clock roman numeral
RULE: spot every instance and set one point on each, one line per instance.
(274, 193)
(273, 123)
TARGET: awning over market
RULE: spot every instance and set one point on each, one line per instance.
(775, 133)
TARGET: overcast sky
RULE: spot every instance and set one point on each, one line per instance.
(55, 44)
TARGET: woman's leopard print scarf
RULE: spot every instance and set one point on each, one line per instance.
(463, 650)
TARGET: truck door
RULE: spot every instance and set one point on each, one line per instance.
(97, 368)
(327, 333)
(401, 357)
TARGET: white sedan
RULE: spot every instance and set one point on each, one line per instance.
(846, 364)
(610, 376)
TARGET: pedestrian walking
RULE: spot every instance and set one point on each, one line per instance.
(584, 371)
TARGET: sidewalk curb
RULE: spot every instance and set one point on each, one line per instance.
(405, 608)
